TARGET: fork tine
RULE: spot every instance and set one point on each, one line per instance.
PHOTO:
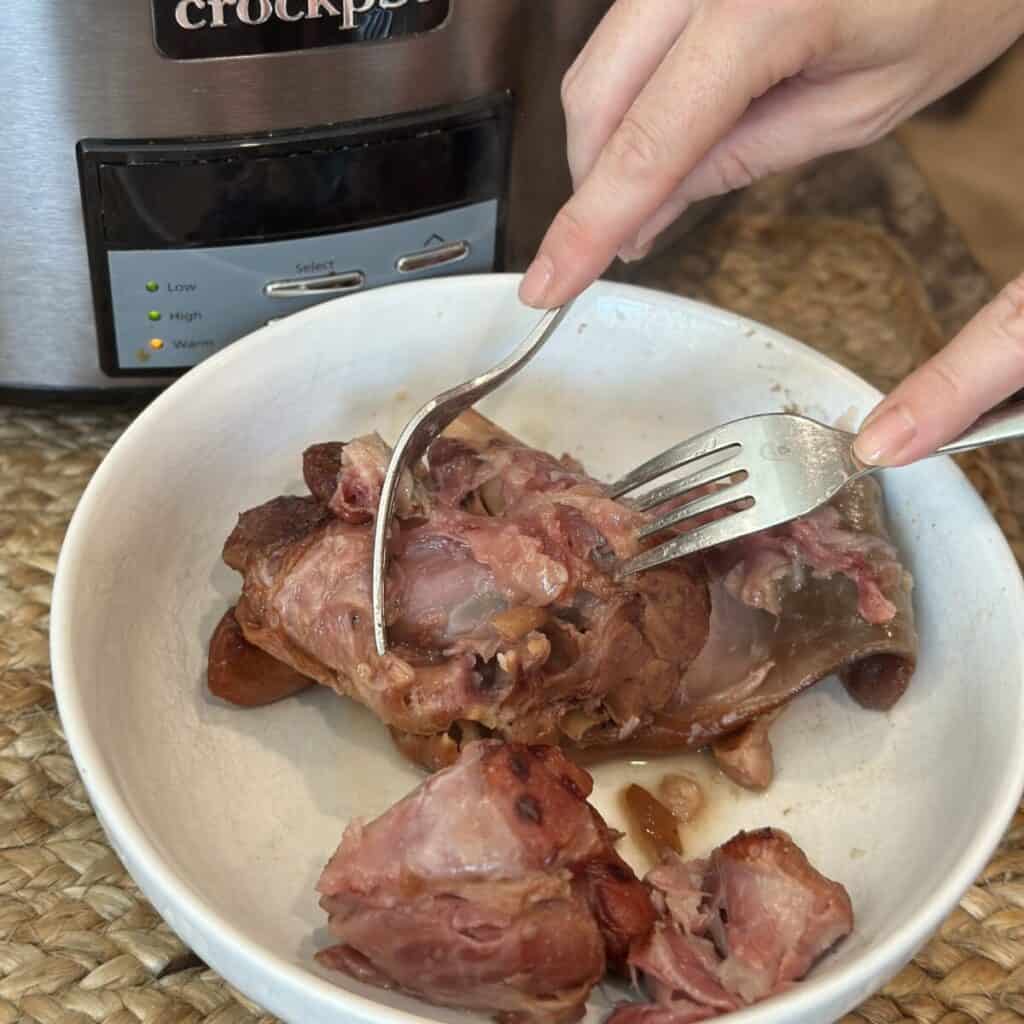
(739, 524)
(708, 443)
(711, 473)
(708, 503)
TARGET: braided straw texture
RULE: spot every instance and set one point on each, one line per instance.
(80, 944)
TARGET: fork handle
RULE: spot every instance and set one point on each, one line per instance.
(1003, 424)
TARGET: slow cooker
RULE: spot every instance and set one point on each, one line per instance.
(178, 173)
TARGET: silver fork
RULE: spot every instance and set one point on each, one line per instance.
(788, 466)
(424, 428)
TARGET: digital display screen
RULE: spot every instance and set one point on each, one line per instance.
(201, 196)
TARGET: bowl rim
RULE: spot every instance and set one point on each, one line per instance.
(279, 984)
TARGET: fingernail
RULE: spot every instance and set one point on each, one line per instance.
(648, 236)
(633, 253)
(536, 281)
(885, 434)
(872, 416)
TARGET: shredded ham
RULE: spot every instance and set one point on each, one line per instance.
(747, 923)
(818, 544)
(495, 886)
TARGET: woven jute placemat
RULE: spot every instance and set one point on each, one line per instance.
(79, 943)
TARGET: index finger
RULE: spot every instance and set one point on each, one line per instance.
(729, 53)
(621, 55)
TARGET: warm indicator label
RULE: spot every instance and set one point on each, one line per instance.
(198, 29)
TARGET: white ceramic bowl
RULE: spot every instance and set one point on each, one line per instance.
(225, 816)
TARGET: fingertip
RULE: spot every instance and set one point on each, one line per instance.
(536, 282)
(634, 252)
(886, 437)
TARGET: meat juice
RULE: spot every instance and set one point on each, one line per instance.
(711, 826)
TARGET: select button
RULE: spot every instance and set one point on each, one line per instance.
(437, 256)
(306, 287)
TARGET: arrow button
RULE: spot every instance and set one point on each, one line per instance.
(430, 258)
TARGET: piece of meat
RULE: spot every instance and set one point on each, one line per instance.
(511, 622)
(348, 478)
(263, 532)
(243, 674)
(506, 619)
(786, 613)
(877, 682)
(773, 915)
(493, 886)
(743, 925)
(678, 888)
(621, 906)
(766, 564)
(682, 795)
(746, 756)
(674, 1010)
(675, 963)
(321, 464)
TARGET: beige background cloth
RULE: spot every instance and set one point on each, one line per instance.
(972, 153)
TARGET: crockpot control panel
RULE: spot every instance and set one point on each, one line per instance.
(194, 243)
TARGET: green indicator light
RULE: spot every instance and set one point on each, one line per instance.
(154, 314)
(152, 286)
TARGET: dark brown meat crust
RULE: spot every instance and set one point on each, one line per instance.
(264, 532)
(243, 674)
(321, 465)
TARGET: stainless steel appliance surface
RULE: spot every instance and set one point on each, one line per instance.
(178, 172)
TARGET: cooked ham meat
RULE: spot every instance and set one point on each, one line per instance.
(506, 620)
(746, 756)
(503, 614)
(735, 929)
(245, 675)
(789, 607)
(494, 886)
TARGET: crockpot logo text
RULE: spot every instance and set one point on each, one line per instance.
(196, 14)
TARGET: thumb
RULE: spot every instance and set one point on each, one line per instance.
(980, 367)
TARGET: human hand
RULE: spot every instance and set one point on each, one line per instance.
(672, 101)
(980, 367)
